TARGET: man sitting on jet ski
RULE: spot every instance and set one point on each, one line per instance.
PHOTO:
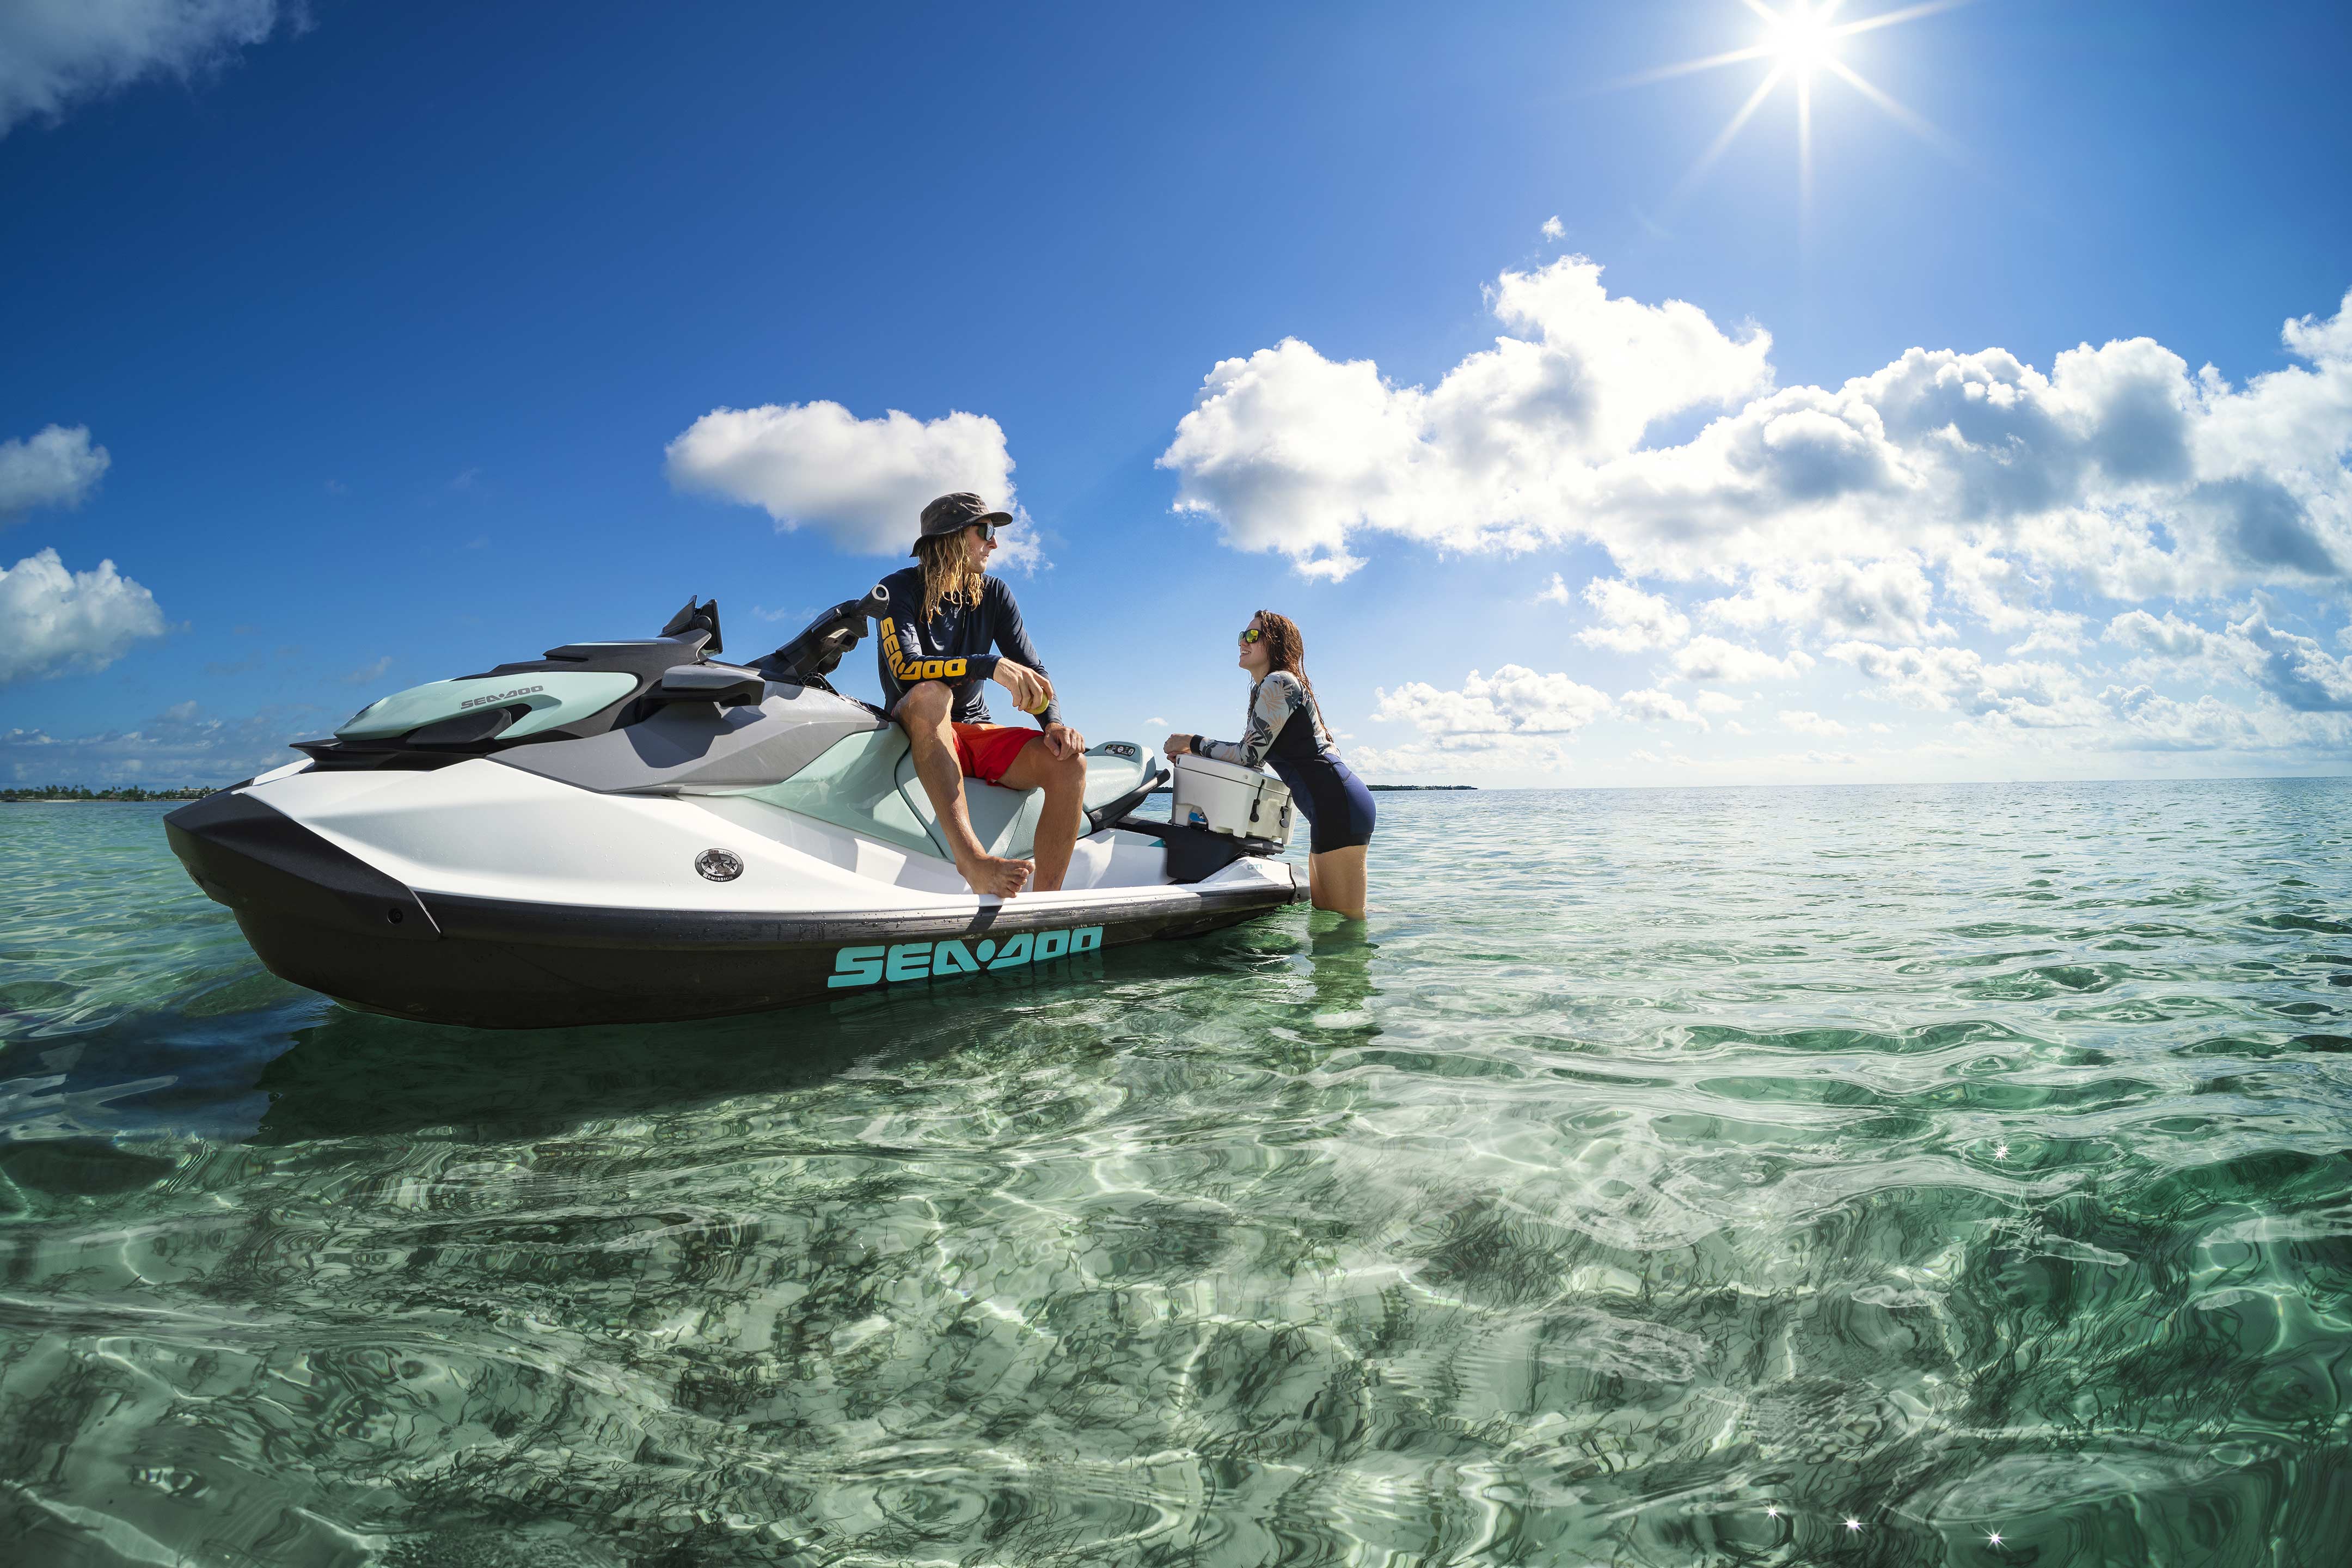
(945, 614)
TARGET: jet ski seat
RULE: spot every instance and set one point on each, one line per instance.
(1006, 820)
(867, 784)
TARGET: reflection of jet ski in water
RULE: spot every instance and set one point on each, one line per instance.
(633, 831)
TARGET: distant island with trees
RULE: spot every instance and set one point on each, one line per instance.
(55, 793)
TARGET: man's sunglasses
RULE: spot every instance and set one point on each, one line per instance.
(1256, 633)
(988, 530)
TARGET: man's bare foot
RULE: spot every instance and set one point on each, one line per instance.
(994, 874)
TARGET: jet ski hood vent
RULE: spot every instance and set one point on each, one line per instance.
(546, 698)
(579, 689)
(571, 683)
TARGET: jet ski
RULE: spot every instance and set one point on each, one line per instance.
(638, 832)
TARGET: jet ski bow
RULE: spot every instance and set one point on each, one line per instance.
(636, 831)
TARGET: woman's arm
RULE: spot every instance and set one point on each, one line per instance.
(1279, 696)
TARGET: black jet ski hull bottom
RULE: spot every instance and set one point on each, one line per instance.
(327, 921)
(513, 983)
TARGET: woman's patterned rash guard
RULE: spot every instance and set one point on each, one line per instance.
(1272, 702)
(1337, 807)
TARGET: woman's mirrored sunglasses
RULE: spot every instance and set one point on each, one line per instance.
(1255, 634)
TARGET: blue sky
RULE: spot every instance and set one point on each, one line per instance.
(386, 321)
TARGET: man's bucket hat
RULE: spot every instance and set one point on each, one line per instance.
(954, 513)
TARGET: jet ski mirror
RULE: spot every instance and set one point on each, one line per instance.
(696, 618)
(723, 684)
(817, 651)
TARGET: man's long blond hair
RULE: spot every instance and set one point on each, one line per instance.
(949, 576)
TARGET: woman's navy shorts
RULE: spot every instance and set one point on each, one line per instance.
(1335, 802)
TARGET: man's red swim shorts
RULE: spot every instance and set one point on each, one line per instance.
(987, 749)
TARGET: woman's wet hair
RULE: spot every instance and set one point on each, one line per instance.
(1285, 648)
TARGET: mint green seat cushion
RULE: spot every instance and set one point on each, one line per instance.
(867, 784)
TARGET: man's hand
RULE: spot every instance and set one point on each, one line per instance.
(1031, 690)
(1064, 742)
(1178, 745)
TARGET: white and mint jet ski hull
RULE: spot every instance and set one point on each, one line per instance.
(695, 856)
(478, 894)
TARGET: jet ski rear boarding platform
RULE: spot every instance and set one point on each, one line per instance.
(632, 831)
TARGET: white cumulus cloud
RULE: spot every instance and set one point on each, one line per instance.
(1714, 659)
(1651, 706)
(1808, 723)
(1890, 598)
(1516, 718)
(1933, 678)
(2144, 719)
(55, 53)
(2025, 694)
(1553, 229)
(56, 465)
(2295, 670)
(2119, 470)
(863, 482)
(1293, 452)
(53, 620)
(1631, 620)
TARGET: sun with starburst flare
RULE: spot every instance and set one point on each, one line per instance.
(1801, 40)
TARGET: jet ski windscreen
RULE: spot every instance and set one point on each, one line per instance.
(697, 617)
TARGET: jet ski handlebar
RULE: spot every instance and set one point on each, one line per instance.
(817, 651)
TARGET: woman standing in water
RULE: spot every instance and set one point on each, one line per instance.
(1287, 731)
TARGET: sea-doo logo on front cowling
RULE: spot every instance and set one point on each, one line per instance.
(940, 960)
(719, 865)
(503, 696)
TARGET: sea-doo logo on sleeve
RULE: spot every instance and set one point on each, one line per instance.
(909, 669)
(941, 960)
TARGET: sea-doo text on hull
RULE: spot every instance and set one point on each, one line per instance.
(633, 831)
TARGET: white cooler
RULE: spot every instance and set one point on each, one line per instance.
(1225, 797)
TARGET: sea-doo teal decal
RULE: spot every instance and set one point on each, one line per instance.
(942, 960)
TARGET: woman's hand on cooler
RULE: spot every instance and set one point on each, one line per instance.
(1032, 692)
(1178, 745)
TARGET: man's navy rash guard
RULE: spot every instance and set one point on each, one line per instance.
(952, 646)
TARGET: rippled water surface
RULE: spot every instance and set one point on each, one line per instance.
(1659, 1178)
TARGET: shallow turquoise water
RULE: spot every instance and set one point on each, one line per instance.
(1664, 1178)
